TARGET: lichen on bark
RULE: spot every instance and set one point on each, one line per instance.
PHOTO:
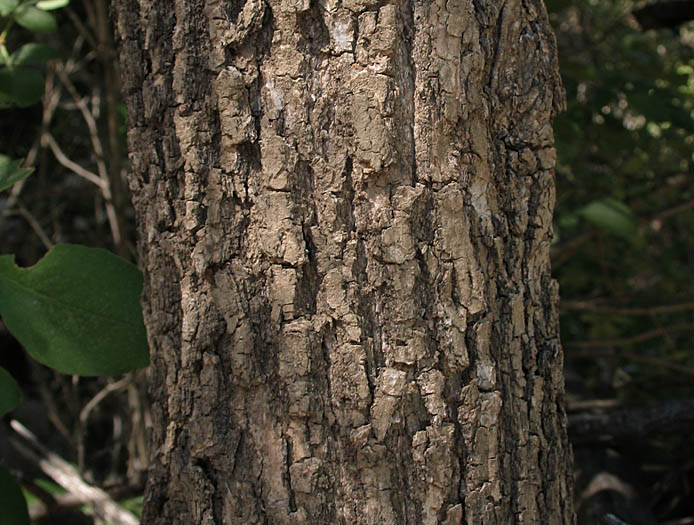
(345, 217)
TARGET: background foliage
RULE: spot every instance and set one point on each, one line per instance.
(624, 223)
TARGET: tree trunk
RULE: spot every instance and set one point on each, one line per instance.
(345, 214)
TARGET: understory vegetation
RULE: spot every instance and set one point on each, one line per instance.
(624, 248)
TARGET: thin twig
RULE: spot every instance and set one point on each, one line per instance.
(630, 423)
(38, 230)
(592, 404)
(88, 119)
(98, 153)
(51, 98)
(91, 405)
(76, 58)
(655, 361)
(47, 398)
(563, 251)
(69, 164)
(107, 55)
(81, 28)
(674, 210)
(17, 188)
(101, 395)
(611, 519)
(650, 310)
(679, 521)
(141, 421)
(639, 338)
(43, 509)
(50, 503)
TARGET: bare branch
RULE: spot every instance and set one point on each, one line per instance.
(639, 338)
(664, 417)
(655, 361)
(67, 477)
(38, 230)
(91, 405)
(592, 404)
(69, 164)
(588, 306)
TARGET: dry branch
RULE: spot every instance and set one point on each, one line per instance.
(67, 477)
(664, 417)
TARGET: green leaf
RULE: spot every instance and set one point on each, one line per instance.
(48, 5)
(34, 53)
(10, 394)
(77, 310)
(6, 6)
(21, 85)
(13, 506)
(35, 19)
(611, 215)
(10, 172)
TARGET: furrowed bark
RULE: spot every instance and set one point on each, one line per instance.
(345, 218)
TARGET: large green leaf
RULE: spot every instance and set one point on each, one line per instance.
(34, 53)
(21, 85)
(77, 310)
(13, 506)
(10, 394)
(6, 6)
(11, 172)
(611, 215)
(35, 19)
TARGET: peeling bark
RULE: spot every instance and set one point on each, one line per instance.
(345, 217)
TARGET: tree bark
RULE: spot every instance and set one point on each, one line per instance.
(345, 215)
